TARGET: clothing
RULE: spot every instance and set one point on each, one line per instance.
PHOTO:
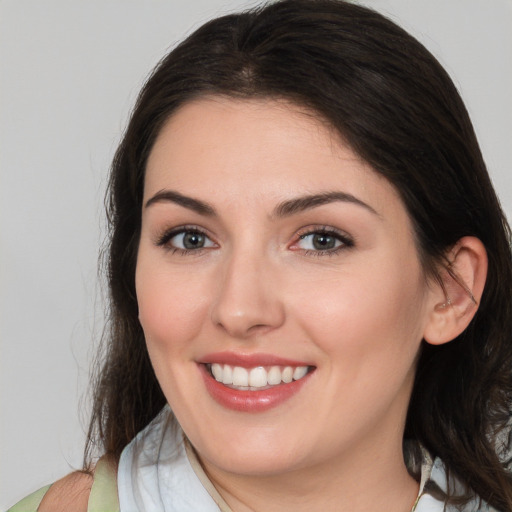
(103, 497)
(159, 472)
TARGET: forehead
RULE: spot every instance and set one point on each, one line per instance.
(256, 149)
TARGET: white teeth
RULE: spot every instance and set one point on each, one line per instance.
(227, 375)
(217, 372)
(274, 376)
(300, 372)
(258, 377)
(287, 374)
(240, 376)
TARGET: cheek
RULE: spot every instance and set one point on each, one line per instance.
(366, 316)
(171, 307)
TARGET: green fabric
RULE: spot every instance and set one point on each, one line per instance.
(31, 502)
(103, 497)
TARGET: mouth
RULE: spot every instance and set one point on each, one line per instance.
(257, 378)
(253, 383)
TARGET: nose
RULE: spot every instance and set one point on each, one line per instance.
(248, 302)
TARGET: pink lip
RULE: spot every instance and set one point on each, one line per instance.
(249, 360)
(250, 401)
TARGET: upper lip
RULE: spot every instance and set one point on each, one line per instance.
(249, 360)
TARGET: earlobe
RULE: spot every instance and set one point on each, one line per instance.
(455, 298)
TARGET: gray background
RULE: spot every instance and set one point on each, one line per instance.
(69, 74)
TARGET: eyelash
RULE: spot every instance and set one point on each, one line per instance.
(346, 241)
(167, 236)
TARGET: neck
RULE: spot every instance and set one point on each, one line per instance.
(357, 483)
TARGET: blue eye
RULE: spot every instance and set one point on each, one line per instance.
(319, 242)
(186, 240)
(322, 241)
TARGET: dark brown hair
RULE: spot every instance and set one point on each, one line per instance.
(395, 105)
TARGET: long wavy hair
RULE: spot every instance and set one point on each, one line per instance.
(398, 109)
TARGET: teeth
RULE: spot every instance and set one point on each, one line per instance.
(217, 372)
(227, 375)
(274, 376)
(300, 372)
(287, 374)
(258, 377)
(240, 376)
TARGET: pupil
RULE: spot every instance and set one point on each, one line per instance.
(323, 242)
(193, 240)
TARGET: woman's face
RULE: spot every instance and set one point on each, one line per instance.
(276, 259)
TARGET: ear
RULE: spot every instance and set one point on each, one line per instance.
(455, 298)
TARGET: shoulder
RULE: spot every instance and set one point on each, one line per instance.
(70, 493)
(78, 492)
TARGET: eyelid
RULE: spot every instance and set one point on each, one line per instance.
(347, 241)
(168, 234)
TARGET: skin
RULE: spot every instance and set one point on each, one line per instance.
(69, 493)
(357, 314)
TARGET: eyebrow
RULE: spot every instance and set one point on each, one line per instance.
(285, 209)
(300, 204)
(171, 196)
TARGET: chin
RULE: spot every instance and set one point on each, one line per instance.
(255, 451)
(254, 464)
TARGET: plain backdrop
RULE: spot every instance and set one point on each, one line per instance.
(69, 73)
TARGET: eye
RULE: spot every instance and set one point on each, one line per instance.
(190, 240)
(319, 242)
(185, 240)
(323, 241)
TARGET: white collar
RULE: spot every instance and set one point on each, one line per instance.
(155, 474)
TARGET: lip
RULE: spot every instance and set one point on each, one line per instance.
(249, 360)
(244, 400)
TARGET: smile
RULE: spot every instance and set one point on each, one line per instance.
(257, 378)
(253, 383)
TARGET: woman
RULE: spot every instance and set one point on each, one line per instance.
(309, 265)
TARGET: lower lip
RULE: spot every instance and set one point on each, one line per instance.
(250, 401)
